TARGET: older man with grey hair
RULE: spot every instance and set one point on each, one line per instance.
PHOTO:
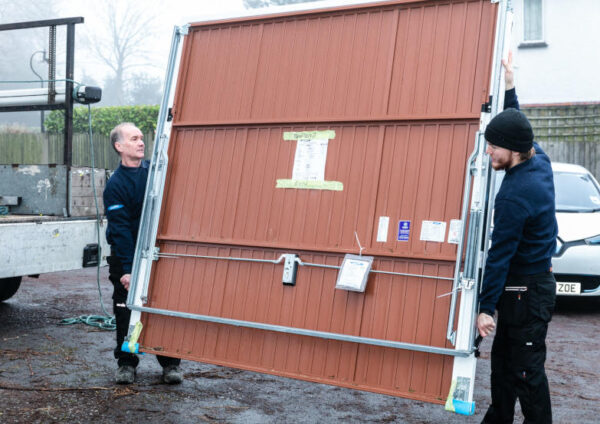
(123, 201)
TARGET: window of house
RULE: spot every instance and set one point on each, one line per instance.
(533, 24)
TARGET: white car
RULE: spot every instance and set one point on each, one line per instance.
(576, 263)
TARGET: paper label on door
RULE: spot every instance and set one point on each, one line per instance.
(309, 162)
(455, 231)
(382, 229)
(433, 231)
(354, 273)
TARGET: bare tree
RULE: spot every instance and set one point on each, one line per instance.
(19, 45)
(145, 90)
(253, 4)
(126, 44)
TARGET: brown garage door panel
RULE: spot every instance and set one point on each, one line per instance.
(399, 60)
(389, 371)
(222, 187)
(398, 308)
(394, 307)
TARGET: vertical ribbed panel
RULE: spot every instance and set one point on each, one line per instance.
(401, 84)
(222, 187)
(437, 47)
(253, 292)
(423, 59)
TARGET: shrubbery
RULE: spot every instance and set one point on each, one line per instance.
(105, 119)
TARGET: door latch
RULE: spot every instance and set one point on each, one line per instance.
(290, 269)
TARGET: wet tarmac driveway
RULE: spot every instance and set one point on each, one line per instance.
(52, 374)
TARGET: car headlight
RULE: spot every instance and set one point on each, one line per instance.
(593, 240)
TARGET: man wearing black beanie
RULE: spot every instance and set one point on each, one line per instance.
(518, 280)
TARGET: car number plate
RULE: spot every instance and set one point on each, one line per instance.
(568, 288)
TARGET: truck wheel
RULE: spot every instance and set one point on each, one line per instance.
(8, 287)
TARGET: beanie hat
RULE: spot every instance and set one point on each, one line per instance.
(510, 129)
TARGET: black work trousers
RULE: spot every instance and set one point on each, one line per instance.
(122, 314)
(519, 350)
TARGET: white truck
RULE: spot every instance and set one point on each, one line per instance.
(35, 243)
(48, 216)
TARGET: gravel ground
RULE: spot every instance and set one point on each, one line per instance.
(51, 373)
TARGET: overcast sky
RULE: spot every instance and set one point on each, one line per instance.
(169, 12)
(89, 67)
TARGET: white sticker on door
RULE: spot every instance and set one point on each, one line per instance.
(433, 231)
(455, 231)
(382, 229)
(310, 159)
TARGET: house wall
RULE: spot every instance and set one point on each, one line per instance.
(566, 70)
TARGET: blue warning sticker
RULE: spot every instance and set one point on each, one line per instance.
(403, 230)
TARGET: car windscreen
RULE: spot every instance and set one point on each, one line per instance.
(575, 192)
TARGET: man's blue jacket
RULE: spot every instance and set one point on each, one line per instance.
(525, 228)
(123, 201)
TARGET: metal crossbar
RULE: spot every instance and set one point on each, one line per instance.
(306, 332)
(300, 262)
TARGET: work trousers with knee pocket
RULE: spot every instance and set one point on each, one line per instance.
(519, 350)
(122, 315)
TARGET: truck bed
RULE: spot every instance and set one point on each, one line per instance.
(33, 244)
(11, 219)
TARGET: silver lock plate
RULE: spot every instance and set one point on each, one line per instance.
(290, 268)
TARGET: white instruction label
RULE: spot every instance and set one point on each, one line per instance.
(433, 231)
(309, 162)
(382, 229)
(354, 272)
(455, 231)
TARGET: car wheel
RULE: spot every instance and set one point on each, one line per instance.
(8, 287)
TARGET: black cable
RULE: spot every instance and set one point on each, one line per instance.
(107, 321)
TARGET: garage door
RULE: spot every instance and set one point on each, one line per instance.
(297, 139)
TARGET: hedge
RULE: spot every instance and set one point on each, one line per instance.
(104, 119)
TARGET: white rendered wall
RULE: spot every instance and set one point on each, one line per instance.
(568, 69)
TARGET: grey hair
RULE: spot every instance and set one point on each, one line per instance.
(116, 135)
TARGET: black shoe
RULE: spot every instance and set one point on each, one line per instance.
(125, 374)
(172, 374)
